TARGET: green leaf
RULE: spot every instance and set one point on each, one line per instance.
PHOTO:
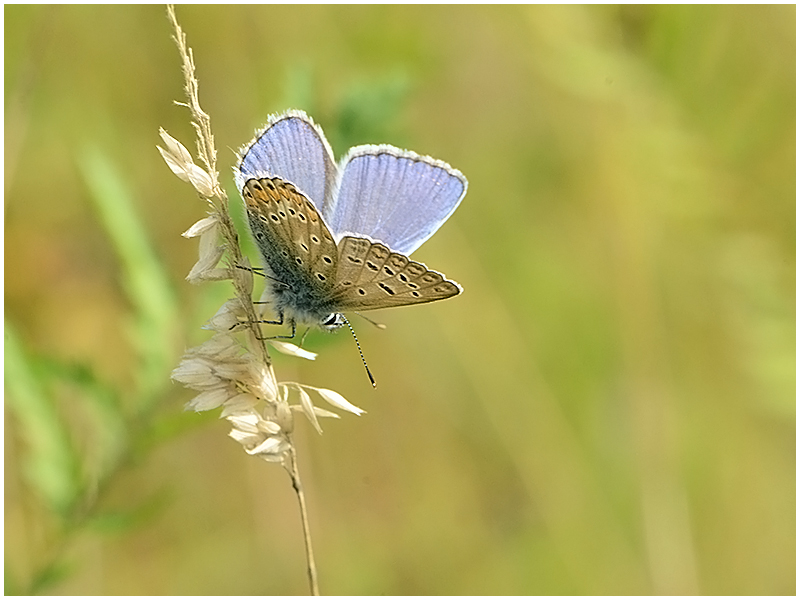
(110, 428)
(116, 522)
(53, 573)
(144, 278)
(51, 463)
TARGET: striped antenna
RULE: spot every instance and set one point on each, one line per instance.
(363, 360)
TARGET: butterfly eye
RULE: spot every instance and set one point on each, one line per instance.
(332, 321)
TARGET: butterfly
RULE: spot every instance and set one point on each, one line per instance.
(336, 238)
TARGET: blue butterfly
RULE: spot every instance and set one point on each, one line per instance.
(336, 238)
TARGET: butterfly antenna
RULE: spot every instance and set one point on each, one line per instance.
(363, 360)
(378, 325)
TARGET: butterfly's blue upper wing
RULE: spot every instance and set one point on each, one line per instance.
(291, 147)
(394, 196)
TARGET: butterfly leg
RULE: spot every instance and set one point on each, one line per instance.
(260, 271)
(303, 339)
(281, 337)
(256, 270)
(267, 322)
(280, 322)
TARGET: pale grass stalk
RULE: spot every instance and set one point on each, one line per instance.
(227, 374)
(301, 498)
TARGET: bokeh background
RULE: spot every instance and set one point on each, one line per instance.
(609, 408)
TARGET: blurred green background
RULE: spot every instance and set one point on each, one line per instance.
(609, 408)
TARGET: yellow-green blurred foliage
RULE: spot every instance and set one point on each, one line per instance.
(607, 409)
